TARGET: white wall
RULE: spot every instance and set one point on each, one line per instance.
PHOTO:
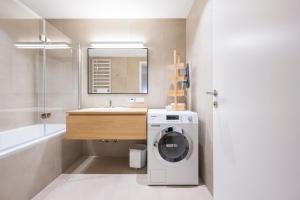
(256, 127)
(199, 56)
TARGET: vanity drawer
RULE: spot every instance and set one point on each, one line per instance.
(107, 126)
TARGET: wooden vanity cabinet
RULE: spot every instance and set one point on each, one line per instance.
(129, 125)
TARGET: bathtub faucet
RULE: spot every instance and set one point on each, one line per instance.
(45, 115)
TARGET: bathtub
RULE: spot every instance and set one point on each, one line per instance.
(15, 139)
(31, 157)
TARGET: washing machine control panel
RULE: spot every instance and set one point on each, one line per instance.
(173, 118)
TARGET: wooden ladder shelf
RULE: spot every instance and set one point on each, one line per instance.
(177, 91)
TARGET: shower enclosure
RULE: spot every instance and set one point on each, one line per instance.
(38, 79)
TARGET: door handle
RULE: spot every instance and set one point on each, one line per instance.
(213, 93)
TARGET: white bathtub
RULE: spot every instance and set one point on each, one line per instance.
(16, 139)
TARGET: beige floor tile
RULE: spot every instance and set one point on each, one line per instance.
(78, 185)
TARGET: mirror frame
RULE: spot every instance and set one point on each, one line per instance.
(88, 73)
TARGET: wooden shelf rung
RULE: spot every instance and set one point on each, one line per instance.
(180, 93)
(178, 66)
(179, 78)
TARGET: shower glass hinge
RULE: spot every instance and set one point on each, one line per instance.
(45, 115)
(43, 38)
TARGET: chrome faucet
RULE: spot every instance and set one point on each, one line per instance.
(110, 103)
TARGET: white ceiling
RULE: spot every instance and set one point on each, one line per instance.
(110, 8)
(14, 9)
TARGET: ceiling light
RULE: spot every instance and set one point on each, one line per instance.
(37, 45)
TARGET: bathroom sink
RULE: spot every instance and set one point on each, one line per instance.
(119, 109)
(109, 110)
(112, 109)
(94, 110)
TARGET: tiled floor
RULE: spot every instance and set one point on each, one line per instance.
(114, 183)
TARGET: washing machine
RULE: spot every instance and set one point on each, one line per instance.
(172, 143)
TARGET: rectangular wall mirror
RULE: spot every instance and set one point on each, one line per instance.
(117, 71)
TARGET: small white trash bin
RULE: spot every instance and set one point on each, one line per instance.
(137, 156)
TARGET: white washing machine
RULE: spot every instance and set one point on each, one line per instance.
(172, 147)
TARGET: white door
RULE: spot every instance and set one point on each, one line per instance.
(257, 122)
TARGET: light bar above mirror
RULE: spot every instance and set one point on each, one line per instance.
(117, 45)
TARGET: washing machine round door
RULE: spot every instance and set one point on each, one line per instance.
(173, 145)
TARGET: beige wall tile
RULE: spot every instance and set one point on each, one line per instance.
(161, 36)
(17, 79)
(119, 149)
